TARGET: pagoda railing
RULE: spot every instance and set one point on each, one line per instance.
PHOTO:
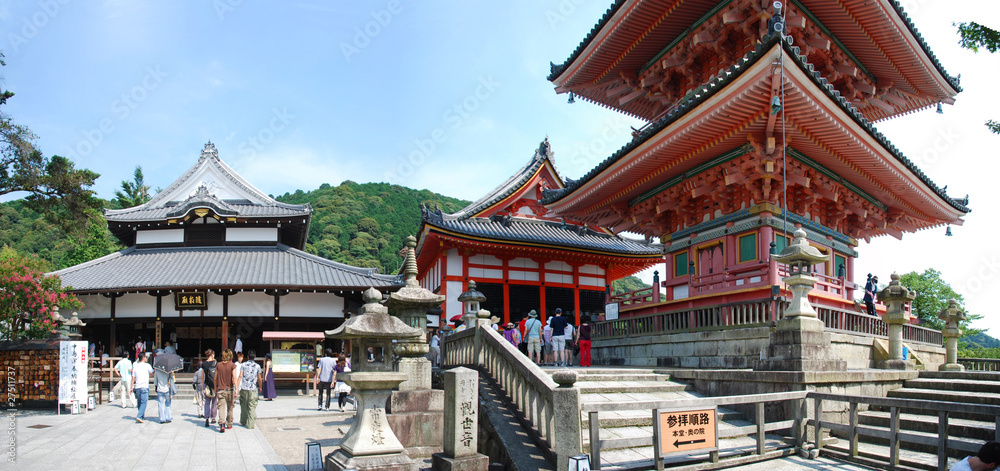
(541, 401)
(980, 364)
(750, 314)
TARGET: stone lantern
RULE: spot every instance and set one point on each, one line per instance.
(410, 304)
(895, 296)
(799, 342)
(470, 301)
(371, 443)
(68, 328)
(952, 316)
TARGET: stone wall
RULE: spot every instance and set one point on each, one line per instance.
(737, 348)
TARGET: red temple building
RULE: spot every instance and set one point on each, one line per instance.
(520, 256)
(759, 121)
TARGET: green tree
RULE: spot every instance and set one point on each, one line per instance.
(933, 294)
(28, 297)
(974, 36)
(133, 193)
(95, 243)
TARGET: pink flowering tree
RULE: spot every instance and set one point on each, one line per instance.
(28, 298)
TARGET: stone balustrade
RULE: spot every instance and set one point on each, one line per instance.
(552, 408)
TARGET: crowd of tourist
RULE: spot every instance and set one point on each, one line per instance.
(556, 342)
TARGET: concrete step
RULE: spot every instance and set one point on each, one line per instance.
(876, 456)
(948, 396)
(642, 457)
(976, 430)
(954, 384)
(921, 426)
(630, 387)
(966, 375)
(608, 377)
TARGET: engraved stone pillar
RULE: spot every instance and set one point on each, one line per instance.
(461, 423)
(952, 316)
(895, 296)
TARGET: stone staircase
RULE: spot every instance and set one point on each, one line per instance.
(969, 429)
(621, 385)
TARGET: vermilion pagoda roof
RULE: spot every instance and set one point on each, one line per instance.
(878, 37)
(493, 225)
(717, 117)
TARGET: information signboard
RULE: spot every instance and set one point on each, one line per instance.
(285, 361)
(314, 456)
(72, 372)
(686, 431)
(611, 312)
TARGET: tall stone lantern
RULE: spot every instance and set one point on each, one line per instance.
(952, 316)
(895, 296)
(410, 304)
(370, 443)
(470, 301)
(799, 342)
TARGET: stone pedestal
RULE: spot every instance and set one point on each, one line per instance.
(370, 443)
(417, 419)
(440, 462)
(417, 370)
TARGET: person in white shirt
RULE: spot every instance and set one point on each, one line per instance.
(124, 387)
(141, 371)
(239, 345)
(986, 460)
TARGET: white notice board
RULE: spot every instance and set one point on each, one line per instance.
(72, 372)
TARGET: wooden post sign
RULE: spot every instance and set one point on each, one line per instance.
(686, 431)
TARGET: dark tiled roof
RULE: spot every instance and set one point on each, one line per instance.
(513, 184)
(556, 70)
(218, 267)
(704, 92)
(513, 229)
(238, 209)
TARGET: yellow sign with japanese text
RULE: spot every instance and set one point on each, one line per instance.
(194, 300)
(687, 431)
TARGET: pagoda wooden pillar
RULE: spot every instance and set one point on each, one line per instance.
(576, 293)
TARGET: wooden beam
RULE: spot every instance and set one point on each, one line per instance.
(893, 98)
(894, 232)
(672, 62)
(631, 96)
(848, 70)
(703, 38)
(819, 42)
(795, 21)
(733, 16)
(881, 104)
(618, 90)
(865, 87)
(664, 207)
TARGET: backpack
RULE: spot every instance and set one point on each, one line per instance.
(210, 376)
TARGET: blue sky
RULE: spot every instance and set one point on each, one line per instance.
(451, 97)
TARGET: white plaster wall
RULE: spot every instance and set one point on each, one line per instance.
(250, 304)
(558, 278)
(140, 305)
(251, 234)
(454, 262)
(523, 275)
(485, 260)
(485, 273)
(161, 236)
(95, 306)
(452, 306)
(523, 263)
(558, 266)
(590, 281)
(312, 305)
(592, 269)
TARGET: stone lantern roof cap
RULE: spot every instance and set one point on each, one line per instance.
(800, 251)
(374, 322)
(412, 293)
(896, 290)
(472, 294)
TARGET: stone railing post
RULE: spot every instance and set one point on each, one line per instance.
(482, 320)
(952, 316)
(895, 296)
(566, 418)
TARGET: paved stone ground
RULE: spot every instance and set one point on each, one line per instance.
(108, 439)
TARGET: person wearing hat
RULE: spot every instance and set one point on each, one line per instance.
(512, 334)
(533, 332)
(870, 288)
(495, 322)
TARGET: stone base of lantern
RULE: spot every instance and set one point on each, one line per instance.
(340, 460)
(477, 462)
(801, 323)
(801, 350)
(951, 367)
(897, 365)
